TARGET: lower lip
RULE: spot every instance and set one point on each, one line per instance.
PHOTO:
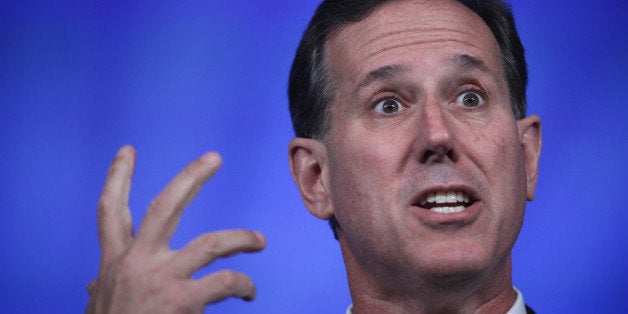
(465, 217)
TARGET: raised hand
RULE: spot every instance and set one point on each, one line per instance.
(142, 274)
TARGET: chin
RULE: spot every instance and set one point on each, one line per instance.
(452, 264)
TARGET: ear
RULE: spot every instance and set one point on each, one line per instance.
(308, 165)
(530, 137)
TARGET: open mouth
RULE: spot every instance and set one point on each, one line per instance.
(446, 202)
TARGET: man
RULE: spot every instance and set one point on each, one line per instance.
(413, 142)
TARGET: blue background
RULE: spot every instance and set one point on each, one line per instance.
(78, 79)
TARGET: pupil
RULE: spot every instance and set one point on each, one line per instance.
(470, 100)
(390, 106)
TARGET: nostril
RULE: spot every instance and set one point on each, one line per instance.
(427, 155)
(452, 155)
(438, 154)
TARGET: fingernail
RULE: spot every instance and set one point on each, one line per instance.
(261, 237)
(124, 150)
(211, 158)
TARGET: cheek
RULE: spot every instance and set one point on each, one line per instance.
(355, 173)
(498, 153)
(362, 180)
(510, 157)
(503, 166)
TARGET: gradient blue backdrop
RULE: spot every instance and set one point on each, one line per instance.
(78, 79)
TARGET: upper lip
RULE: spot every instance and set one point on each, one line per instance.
(465, 189)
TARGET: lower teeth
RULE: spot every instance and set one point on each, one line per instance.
(448, 210)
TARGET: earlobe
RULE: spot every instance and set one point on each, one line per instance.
(530, 137)
(308, 165)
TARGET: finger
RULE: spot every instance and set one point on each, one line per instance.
(115, 228)
(206, 248)
(221, 285)
(163, 214)
(91, 287)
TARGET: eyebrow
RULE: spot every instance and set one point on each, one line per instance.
(468, 62)
(387, 72)
(384, 73)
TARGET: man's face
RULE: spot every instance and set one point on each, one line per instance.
(426, 170)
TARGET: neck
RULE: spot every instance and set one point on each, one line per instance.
(384, 291)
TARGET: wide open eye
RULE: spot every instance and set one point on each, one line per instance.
(470, 100)
(388, 106)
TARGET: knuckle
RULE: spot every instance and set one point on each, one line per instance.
(241, 235)
(123, 274)
(231, 280)
(116, 167)
(181, 300)
(193, 173)
(208, 246)
(196, 173)
(224, 243)
(108, 203)
(92, 287)
(157, 208)
(155, 204)
(104, 203)
(126, 270)
(104, 213)
(191, 169)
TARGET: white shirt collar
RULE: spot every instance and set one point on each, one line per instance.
(518, 308)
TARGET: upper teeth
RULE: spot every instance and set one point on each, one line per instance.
(446, 197)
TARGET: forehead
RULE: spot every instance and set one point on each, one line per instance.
(401, 31)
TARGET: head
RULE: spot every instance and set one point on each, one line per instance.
(412, 137)
(311, 89)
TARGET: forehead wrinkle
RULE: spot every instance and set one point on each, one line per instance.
(413, 36)
(399, 40)
(406, 23)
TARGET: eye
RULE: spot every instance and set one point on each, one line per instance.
(388, 106)
(470, 100)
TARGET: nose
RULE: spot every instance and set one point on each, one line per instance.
(435, 138)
